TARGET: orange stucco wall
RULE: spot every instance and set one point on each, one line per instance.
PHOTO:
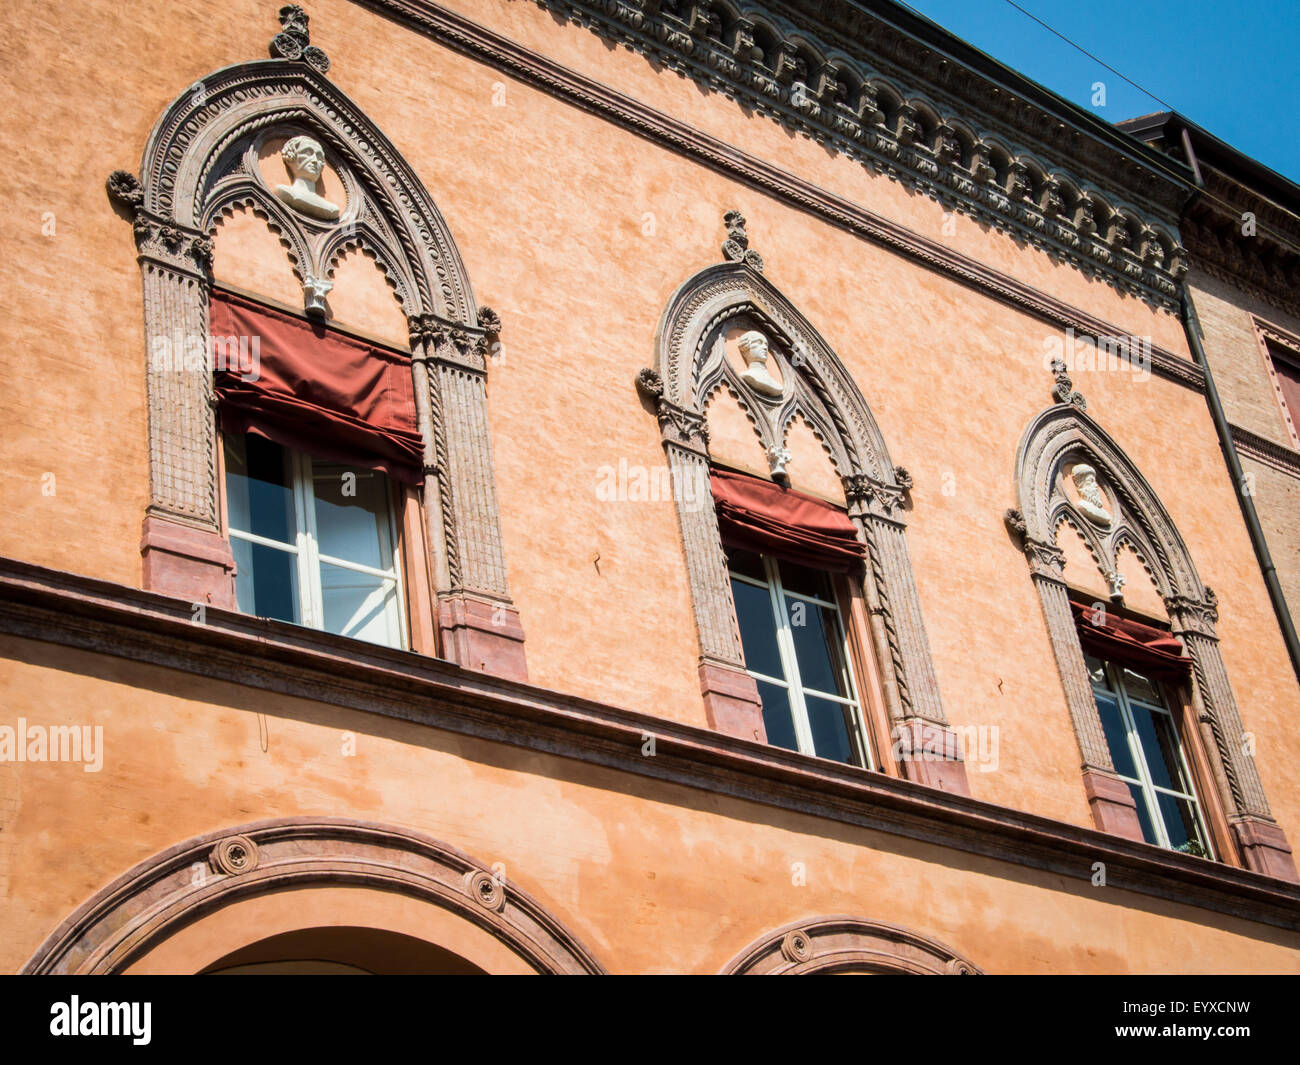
(577, 232)
(650, 876)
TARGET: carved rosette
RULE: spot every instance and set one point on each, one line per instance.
(796, 946)
(233, 855)
(486, 890)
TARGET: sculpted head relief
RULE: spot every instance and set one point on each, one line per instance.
(304, 158)
(1090, 502)
(754, 347)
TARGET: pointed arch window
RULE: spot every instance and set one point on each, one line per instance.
(342, 186)
(729, 326)
(1160, 736)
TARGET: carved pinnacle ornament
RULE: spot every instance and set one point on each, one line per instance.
(1064, 390)
(736, 247)
(293, 42)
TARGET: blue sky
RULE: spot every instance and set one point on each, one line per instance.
(1228, 65)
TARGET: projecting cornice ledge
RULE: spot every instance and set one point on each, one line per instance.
(1018, 159)
(64, 609)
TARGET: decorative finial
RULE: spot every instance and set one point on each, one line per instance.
(736, 247)
(1064, 390)
(293, 43)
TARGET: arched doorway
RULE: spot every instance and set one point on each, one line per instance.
(344, 951)
(350, 893)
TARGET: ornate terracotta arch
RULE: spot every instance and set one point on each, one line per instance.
(691, 363)
(1059, 438)
(164, 893)
(844, 944)
(200, 161)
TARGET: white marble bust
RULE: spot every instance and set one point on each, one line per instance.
(304, 158)
(753, 346)
(1090, 499)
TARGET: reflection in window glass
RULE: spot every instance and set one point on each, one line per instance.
(1144, 746)
(778, 720)
(795, 649)
(313, 542)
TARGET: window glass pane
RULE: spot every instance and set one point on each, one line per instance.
(1139, 686)
(259, 489)
(1096, 671)
(806, 581)
(359, 605)
(352, 517)
(757, 629)
(818, 647)
(831, 724)
(1179, 817)
(266, 581)
(1159, 746)
(777, 718)
(746, 563)
(1144, 818)
(1116, 735)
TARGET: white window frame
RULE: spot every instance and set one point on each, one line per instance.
(795, 687)
(1117, 690)
(308, 556)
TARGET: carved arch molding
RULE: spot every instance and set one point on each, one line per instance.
(843, 944)
(161, 895)
(201, 161)
(691, 364)
(1131, 515)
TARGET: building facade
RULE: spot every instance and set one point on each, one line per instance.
(636, 487)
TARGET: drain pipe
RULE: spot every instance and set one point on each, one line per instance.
(1192, 326)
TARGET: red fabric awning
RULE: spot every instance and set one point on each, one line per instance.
(1144, 647)
(757, 515)
(315, 389)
